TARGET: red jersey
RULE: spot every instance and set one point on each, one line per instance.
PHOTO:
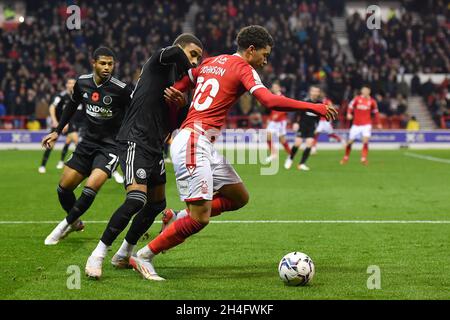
(277, 116)
(219, 82)
(362, 109)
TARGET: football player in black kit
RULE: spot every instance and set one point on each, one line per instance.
(307, 126)
(71, 130)
(141, 144)
(105, 100)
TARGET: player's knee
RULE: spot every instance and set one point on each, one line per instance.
(135, 201)
(243, 199)
(153, 209)
(203, 219)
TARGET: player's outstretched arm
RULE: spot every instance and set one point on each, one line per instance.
(281, 103)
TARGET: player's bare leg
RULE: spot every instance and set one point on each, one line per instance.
(175, 234)
(297, 143)
(306, 153)
(285, 144)
(230, 197)
(365, 151)
(348, 149)
(314, 145)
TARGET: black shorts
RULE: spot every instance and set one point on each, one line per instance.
(140, 165)
(306, 131)
(90, 155)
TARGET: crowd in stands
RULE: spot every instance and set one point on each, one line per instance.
(42, 52)
(416, 42)
(437, 99)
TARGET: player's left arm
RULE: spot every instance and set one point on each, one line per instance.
(175, 54)
(374, 107)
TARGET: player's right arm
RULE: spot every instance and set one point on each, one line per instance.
(49, 140)
(280, 103)
(252, 83)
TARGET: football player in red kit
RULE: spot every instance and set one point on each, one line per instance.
(206, 182)
(276, 126)
(360, 110)
(324, 126)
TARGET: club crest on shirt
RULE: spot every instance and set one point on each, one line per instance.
(107, 100)
(141, 173)
(204, 187)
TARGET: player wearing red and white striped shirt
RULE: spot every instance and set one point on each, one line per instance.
(206, 181)
(360, 110)
(276, 126)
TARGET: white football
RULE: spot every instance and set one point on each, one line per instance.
(296, 269)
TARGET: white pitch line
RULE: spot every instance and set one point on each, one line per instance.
(429, 158)
(272, 222)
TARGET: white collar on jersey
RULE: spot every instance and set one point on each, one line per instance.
(98, 86)
(237, 54)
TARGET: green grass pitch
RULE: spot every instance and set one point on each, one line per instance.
(240, 260)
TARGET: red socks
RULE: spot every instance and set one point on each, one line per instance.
(335, 136)
(221, 204)
(269, 144)
(175, 234)
(365, 151)
(348, 149)
(286, 147)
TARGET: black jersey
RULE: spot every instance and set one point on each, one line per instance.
(60, 101)
(104, 107)
(308, 119)
(146, 122)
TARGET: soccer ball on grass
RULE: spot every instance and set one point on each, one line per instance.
(296, 269)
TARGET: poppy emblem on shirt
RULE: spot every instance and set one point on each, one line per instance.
(95, 97)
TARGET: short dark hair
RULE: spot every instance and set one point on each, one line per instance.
(186, 38)
(103, 51)
(256, 36)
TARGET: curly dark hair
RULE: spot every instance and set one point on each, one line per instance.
(254, 35)
(103, 51)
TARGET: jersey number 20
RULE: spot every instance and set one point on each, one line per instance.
(201, 88)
